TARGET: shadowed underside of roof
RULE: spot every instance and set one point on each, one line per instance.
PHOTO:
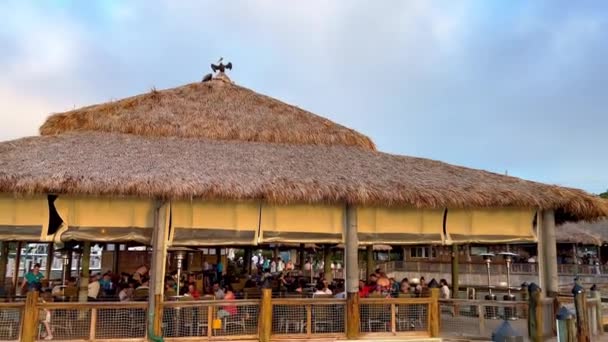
(218, 110)
(129, 165)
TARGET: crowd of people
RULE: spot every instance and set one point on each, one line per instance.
(379, 284)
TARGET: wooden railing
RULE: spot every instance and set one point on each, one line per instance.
(308, 317)
(94, 321)
(498, 267)
(479, 318)
(381, 317)
(11, 321)
(211, 320)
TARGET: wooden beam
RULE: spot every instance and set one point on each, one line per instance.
(50, 253)
(301, 257)
(455, 271)
(351, 250)
(370, 267)
(159, 257)
(29, 328)
(582, 315)
(549, 253)
(265, 320)
(434, 313)
(327, 263)
(17, 268)
(83, 291)
(4, 250)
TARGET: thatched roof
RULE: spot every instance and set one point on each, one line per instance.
(591, 233)
(95, 163)
(216, 140)
(218, 110)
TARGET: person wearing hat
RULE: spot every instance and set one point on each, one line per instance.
(32, 279)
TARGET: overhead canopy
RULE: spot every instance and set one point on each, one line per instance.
(202, 223)
(378, 225)
(23, 218)
(302, 223)
(490, 225)
(105, 219)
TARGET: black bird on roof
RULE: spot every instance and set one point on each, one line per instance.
(220, 66)
(208, 78)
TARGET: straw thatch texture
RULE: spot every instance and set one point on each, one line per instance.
(122, 164)
(592, 233)
(218, 110)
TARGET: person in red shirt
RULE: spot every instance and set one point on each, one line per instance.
(228, 310)
(193, 292)
(363, 289)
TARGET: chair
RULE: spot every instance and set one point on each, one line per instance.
(236, 320)
(141, 294)
(377, 314)
(70, 292)
(195, 320)
(252, 293)
(321, 317)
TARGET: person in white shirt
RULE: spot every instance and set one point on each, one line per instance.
(307, 265)
(322, 289)
(273, 266)
(444, 289)
(280, 265)
(93, 287)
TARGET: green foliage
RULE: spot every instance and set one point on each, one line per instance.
(604, 194)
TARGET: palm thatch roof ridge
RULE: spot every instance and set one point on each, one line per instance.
(97, 163)
(218, 110)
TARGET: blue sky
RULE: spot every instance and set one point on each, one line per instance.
(517, 86)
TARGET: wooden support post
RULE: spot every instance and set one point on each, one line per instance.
(218, 255)
(535, 319)
(434, 313)
(16, 284)
(370, 265)
(582, 316)
(83, 287)
(598, 311)
(247, 255)
(351, 250)
(159, 257)
(301, 257)
(265, 320)
(115, 258)
(455, 271)
(30, 318)
(327, 271)
(93, 325)
(4, 250)
(548, 253)
(70, 263)
(50, 252)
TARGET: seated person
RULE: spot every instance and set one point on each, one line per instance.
(193, 292)
(126, 291)
(107, 287)
(170, 289)
(217, 291)
(322, 289)
(340, 292)
(93, 287)
(228, 310)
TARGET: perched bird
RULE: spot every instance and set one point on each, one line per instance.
(220, 66)
(207, 77)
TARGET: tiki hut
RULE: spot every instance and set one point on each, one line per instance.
(588, 233)
(238, 167)
(216, 164)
